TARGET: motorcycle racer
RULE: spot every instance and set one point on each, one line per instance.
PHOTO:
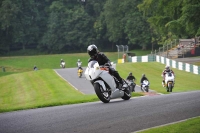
(142, 79)
(166, 70)
(102, 59)
(79, 63)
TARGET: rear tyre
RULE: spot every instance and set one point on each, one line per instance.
(104, 96)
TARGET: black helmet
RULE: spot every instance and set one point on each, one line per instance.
(92, 50)
(130, 73)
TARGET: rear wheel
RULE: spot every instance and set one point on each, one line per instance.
(104, 96)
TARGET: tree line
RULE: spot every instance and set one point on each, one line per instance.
(60, 26)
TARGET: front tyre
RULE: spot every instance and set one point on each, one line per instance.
(127, 94)
(132, 88)
(104, 96)
(147, 89)
(170, 87)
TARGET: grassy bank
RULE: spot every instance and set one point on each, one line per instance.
(23, 88)
(184, 81)
(37, 89)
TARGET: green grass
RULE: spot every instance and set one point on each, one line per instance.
(197, 63)
(37, 89)
(184, 81)
(23, 88)
(188, 126)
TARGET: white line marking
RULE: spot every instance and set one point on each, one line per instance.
(69, 83)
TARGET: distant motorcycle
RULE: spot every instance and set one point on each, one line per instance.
(62, 64)
(145, 86)
(80, 71)
(105, 85)
(132, 85)
(169, 81)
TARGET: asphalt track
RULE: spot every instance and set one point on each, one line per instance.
(118, 116)
(188, 60)
(80, 84)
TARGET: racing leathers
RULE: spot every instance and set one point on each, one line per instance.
(103, 60)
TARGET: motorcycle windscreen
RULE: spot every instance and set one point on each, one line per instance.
(145, 82)
(93, 63)
(93, 70)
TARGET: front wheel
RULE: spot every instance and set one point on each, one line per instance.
(104, 96)
(169, 87)
(79, 74)
(127, 94)
(132, 88)
(147, 89)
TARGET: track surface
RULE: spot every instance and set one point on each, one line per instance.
(81, 84)
(118, 116)
(188, 60)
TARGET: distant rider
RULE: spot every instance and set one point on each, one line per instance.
(166, 70)
(61, 61)
(131, 77)
(79, 63)
(35, 68)
(102, 60)
(142, 79)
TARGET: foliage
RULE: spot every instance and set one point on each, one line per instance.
(173, 19)
(59, 26)
(126, 24)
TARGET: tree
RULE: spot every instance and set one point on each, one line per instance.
(125, 24)
(173, 19)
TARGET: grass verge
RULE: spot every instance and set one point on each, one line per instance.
(187, 126)
(38, 89)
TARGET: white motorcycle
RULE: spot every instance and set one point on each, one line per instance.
(105, 85)
(169, 81)
(145, 86)
(62, 64)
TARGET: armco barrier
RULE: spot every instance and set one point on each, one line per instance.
(179, 65)
(172, 63)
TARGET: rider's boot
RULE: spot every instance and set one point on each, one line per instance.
(121, 83)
